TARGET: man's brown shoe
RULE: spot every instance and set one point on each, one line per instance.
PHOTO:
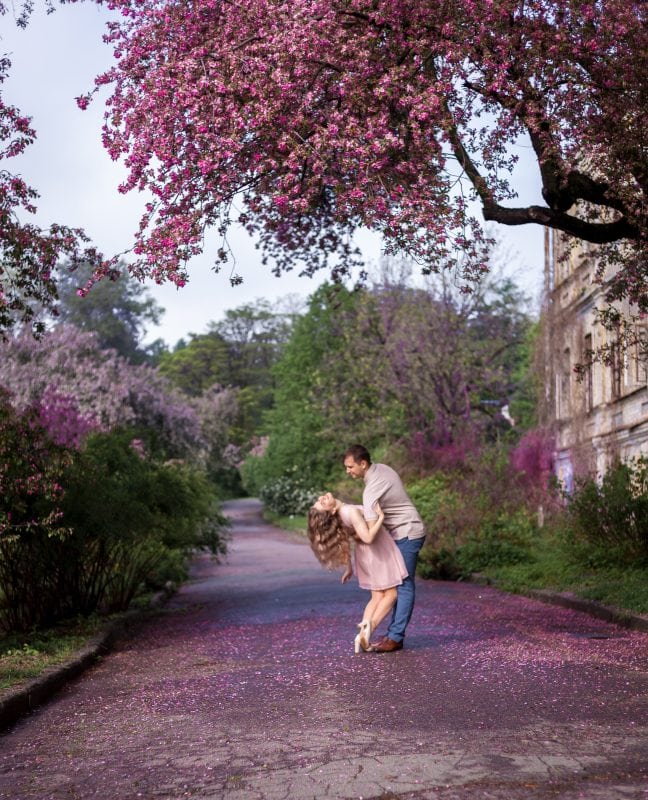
(387, 646)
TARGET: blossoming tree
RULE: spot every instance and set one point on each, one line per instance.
(305, 120)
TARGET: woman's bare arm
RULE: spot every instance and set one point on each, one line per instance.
(366, 532)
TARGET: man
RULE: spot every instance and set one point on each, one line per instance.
(384, 486)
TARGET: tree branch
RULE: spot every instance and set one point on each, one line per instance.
(562, 188)
(598, 233)
(556, 218)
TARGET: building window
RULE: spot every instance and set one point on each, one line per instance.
(616, 365)
(640, 355)
(564, 387)
(588, 383)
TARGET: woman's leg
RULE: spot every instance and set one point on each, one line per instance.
(382, 603)
(371, 605)
(364, 635)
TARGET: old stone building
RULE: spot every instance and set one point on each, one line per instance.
(603, 414)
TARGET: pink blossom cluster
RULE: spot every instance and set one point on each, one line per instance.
(306, 120)
(59, 414)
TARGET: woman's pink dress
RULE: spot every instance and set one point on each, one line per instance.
(378, 565)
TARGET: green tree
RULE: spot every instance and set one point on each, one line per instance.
(198, 364)
(426, 367)
(299, 441)
(238, 351)
(527, 380)
(500, 326)
(255, 334)
(118, 309)
(422, 370)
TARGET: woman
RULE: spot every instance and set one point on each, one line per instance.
(379, 564)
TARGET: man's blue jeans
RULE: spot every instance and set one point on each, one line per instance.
(406, 591)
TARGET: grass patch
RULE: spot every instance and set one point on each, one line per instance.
(25, 656)
(294, 522)
(551, 567)
(627, 589)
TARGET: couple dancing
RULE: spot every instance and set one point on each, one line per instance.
(388, 534)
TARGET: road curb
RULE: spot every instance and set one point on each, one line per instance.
(25, 698)
(617, 616)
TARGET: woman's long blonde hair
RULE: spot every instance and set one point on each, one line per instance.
(329, 538)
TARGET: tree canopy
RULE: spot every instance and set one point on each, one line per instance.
(305, 120)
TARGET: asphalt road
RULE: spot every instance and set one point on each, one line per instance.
(246, 687)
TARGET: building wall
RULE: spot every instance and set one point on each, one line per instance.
(604, 415)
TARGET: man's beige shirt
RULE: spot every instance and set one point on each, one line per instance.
(383, 485)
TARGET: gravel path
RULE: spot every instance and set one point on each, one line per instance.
(246, 688)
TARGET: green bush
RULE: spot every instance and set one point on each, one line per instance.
(170, 567)
(501, 541)
(442, 509)
(130, 517)
(505, 540)
(289, 494)
(82, 530)
(607, 522)
(439, 564)
(255, 473)
(31, 527)
(476, 517)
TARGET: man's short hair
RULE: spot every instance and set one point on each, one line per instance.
(358, 453)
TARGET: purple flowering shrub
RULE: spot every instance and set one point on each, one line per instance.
(82, 388)
(532, 458)
(60, 416)
(441, 450)
(71, 376)
(31, 466)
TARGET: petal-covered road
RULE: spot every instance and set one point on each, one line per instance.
(246, 687)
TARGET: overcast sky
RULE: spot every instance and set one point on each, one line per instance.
(55, 59)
